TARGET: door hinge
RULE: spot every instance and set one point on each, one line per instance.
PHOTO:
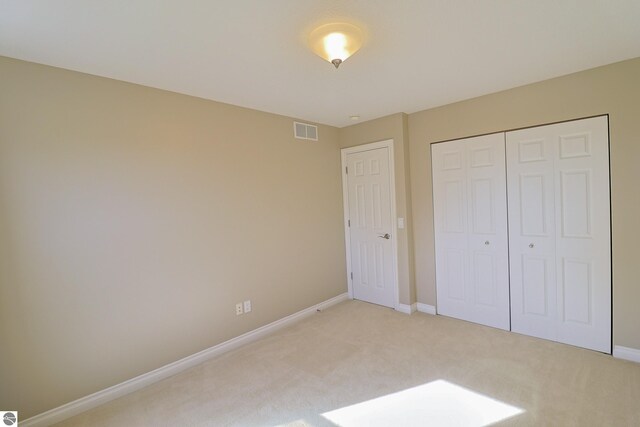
(348, 223)
(352, 275)
(346, 170)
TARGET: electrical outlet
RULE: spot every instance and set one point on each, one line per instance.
(247, 306)
(239, 309)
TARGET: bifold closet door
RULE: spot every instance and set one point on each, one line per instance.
(470, 220)
(559, 232)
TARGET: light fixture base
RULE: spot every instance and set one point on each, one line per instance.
(336, 42)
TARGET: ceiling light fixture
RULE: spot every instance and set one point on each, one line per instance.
(335, 42)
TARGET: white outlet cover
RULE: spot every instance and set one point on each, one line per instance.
(400, 222)
(247, 306)
(239, 309)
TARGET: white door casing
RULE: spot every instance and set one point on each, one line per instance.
(469, 195)
(559, 232)
(369, 223)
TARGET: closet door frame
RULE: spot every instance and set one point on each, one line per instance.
(611, 288)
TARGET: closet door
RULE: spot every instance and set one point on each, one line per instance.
(559, 232)
(532, 235)
(471, 230)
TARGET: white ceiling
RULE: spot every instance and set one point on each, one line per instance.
(418, 54)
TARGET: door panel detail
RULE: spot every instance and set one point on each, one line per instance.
(452, 161)
(376, 197)
(379, 268)
(375, 167)
(531, 151)
(453, 214)
(482, 206)
(363, 263)
(485, 278)
(575, 146)
(481, 157)
(454, 276)
(576, 203)
(532, 205)
(576, 287)
(534, 280)
(360, 208)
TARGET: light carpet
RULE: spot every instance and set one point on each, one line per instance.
(360, 364)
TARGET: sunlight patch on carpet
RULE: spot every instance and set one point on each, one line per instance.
(438, 403)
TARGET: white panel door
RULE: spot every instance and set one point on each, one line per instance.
(471, 230)
(560, 242)
(371, 239)
(532, 236)
(450, 223)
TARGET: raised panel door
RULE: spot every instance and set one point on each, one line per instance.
(583, 244)
(470, 228)
(530, 184)
(368, 183)
(559, 232)
(450, 221)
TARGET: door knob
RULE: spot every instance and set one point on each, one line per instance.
(531, 245)
(486, 242)
(385, 236)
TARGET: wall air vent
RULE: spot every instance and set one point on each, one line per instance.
(305, 131)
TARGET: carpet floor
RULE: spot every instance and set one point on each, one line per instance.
(357, 364)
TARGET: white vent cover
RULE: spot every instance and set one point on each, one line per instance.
(305, 131)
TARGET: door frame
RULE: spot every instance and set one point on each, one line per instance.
(389, 145)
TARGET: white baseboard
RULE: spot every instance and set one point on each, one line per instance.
(91, 401)
(426, 308)
(406, 309)
(626, 353)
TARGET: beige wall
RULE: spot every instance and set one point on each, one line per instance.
(132, 220)
(392, 127)
(613, 89)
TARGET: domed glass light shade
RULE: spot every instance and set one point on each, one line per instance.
(335, 42)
